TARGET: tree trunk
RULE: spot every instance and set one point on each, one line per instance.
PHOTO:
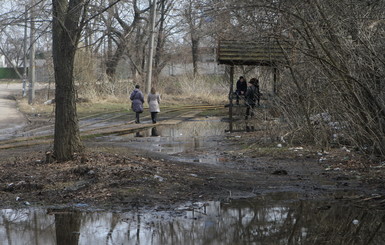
(121, 38)
(113, 61)
(195, 55)
(195, 23)
(65, 37)
(159, 51)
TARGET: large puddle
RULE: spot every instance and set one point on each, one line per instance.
(273, 218)
(185, 142)
(262, 220)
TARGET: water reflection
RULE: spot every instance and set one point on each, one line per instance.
(67, 227)
(240, 126)
(196, 128)
(153, 132)
(26, 226)
(262, 220)
(191, 135)
(186, 136)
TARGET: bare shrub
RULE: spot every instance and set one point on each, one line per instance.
(93, 84)
(334, 66)
(201, 89)
(338, 71)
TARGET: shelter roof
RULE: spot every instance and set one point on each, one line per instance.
(258, 53)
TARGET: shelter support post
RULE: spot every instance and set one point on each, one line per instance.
(231, 97)
(275, 80)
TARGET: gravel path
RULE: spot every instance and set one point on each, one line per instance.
(11, 119)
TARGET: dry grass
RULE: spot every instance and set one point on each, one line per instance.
(189, 90)
(106, 96)
(174, 90)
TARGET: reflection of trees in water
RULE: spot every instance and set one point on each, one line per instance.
(67, 227)
(336, 226)
(306, 223)
(259, 221)
(196, 128)
(26, 226)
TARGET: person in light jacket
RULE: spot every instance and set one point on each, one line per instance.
(137, 99)
(153, 100)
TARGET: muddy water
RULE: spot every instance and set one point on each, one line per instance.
(268, 219)
(180, 142)
(272, 218)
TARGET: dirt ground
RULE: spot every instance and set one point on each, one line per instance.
(121, 179)
(118, 178)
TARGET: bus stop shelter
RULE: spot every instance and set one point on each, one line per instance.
(251, 53)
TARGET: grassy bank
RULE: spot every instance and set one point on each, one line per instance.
(98, 97)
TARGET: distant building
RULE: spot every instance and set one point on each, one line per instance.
(207, 63)
(204, 68)
(2, 61)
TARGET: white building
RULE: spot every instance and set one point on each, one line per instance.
(2, 61)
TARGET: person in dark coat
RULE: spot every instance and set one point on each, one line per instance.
(137, 99)
(241, 88)
(252, 97)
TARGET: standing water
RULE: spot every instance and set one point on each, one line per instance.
(274, 218)
(267, 219)
(180, 142)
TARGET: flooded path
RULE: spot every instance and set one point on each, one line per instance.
(268, 219)
(176, 142)
(195, 140)
(276, 211)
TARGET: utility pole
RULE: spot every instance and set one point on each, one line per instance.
(32, 67)
(151, 48)
(25, 52)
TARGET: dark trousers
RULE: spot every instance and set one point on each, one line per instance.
(238, 96)
(250, 110)
(153, 116)
(137, 117)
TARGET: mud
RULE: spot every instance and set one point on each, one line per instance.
(192, 161)
(248, 195)
(189, 175)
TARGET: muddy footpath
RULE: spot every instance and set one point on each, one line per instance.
(139, 170)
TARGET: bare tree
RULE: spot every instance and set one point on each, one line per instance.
(194, 22)
(334, 64)
(69, 20)
(338, 46)
(166, 28)
(120, 34)
(66, 29)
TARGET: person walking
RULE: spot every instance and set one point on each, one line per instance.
(153, 100)
(137, 99)
(252, 97)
